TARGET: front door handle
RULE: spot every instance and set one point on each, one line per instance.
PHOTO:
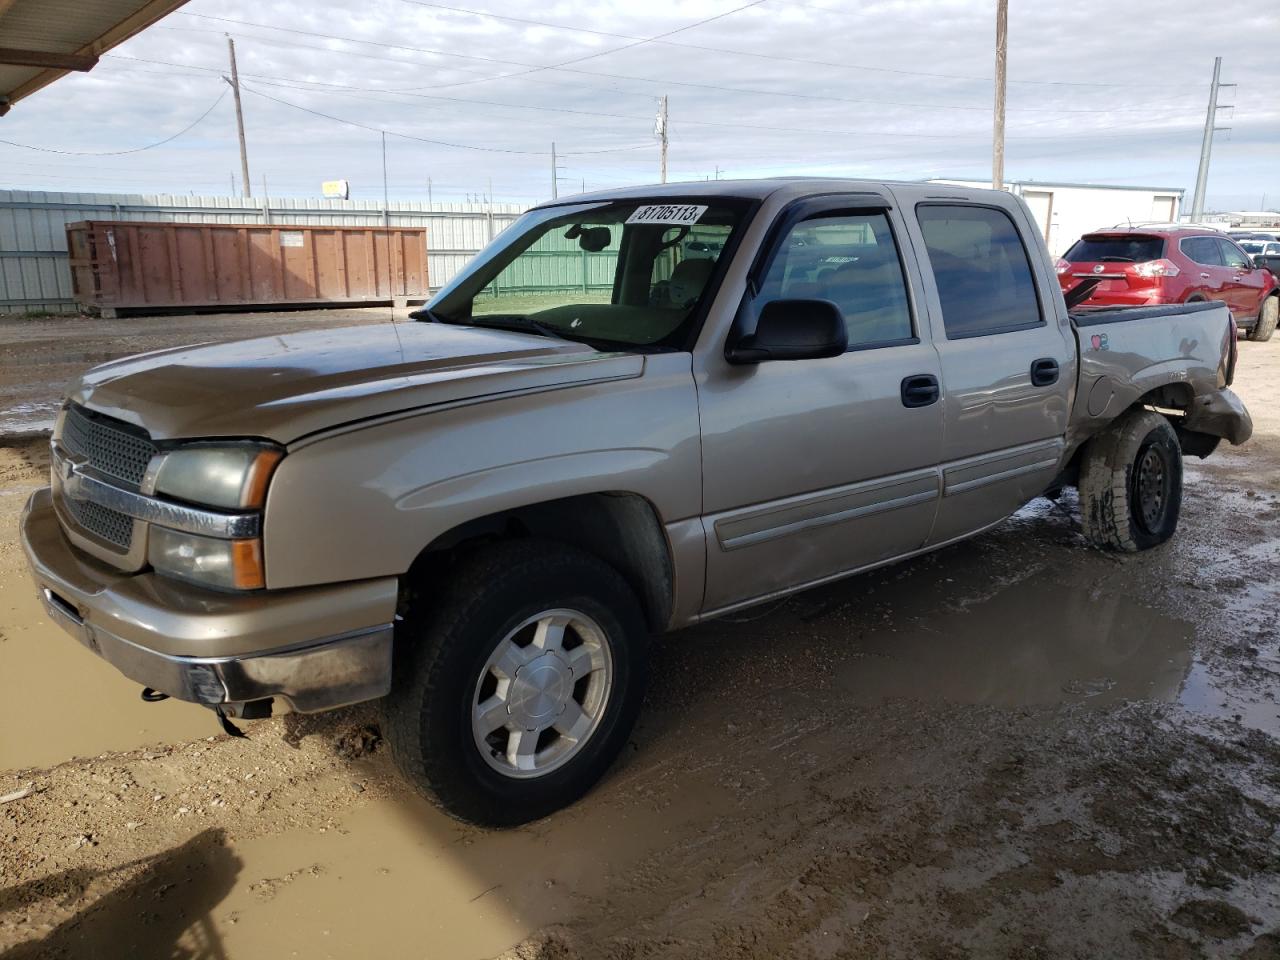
(1044, 372)
(920, 390)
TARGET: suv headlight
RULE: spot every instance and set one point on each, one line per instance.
(226, 476)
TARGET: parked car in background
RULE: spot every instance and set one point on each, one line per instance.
(1149, 265)
(1261, 250)
(1253, 233)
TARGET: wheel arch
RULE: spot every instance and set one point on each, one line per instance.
(620, 527)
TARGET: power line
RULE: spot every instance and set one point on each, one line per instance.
(438, 143)
(117, 153)
(291, 83)
(750, 53)
(565, 67)
(640, 41)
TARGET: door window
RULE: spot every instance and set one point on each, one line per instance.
(1232, 255)
(982, 270)
(1203, 250)
(852, 260)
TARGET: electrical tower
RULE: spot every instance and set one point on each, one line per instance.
(1206, 145)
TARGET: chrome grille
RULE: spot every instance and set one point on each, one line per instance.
(109, 446)
(109, 525)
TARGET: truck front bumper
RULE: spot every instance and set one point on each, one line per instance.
(315, 648)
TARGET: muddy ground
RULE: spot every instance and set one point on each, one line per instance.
(1016, 747)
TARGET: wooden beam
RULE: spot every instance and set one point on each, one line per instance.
(146, 13)
(48, 59)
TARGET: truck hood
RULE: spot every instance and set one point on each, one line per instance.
(286, 387)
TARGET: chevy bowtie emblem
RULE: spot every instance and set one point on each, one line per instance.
(1098, 268)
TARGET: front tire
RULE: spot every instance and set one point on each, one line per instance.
(1131, 483)
(1267, 318)
(517, 688)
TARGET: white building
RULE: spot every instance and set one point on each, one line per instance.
(1066, 211)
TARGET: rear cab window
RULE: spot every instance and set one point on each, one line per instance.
(983, 272)
(1101, 248)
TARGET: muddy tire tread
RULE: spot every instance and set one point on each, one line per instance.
(1106, 465)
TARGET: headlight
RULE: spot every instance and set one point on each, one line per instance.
(229, 476)
(232, 476)
(227, 564)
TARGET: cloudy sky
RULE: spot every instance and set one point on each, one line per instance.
(1110, 91)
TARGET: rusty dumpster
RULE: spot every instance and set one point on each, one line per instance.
(138, 266)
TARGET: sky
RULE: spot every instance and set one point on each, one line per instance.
(473, 93)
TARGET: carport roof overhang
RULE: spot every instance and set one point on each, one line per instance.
(42, 40)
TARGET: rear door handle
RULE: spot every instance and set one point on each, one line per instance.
(920, 390)
(1044, 372)
(1204, 276)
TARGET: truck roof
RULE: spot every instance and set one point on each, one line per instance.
(758, 189)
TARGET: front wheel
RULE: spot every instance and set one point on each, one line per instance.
(1131, 483)
(1267, 317)
(518, 687)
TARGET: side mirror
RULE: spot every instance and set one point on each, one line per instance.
(791, 330)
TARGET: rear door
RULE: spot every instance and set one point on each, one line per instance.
(1210, 272)
(1008, 362)
(1245, 283)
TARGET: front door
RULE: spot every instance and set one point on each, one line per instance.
(813, 468)
(1244, 281)
(1008, 364)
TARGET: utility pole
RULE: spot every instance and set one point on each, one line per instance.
(555, 195)
(662, 132)
(235, 89)
(997, 140)
(428, 193)
(1206, 145)
(386, 209)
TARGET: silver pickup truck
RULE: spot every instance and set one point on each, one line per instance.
(632, 412)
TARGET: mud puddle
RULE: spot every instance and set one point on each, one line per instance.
(1034, 642)
(58, 700)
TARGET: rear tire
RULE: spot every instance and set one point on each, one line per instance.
(542, 633)
(1267, 317)
(1131, 483)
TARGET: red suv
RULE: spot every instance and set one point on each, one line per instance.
(1141, 265)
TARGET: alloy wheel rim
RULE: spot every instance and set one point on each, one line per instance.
(542, 693)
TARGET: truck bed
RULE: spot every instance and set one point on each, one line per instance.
(1128, 352)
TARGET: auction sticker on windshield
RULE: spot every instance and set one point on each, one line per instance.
(676, 213)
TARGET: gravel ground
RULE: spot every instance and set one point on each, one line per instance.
(1016, 747)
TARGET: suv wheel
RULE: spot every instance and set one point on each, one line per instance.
(514, 693)
(1131, 483)
(1267, 317)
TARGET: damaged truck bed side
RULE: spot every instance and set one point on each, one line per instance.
(633, 411)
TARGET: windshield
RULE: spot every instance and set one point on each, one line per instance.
(630, 273)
